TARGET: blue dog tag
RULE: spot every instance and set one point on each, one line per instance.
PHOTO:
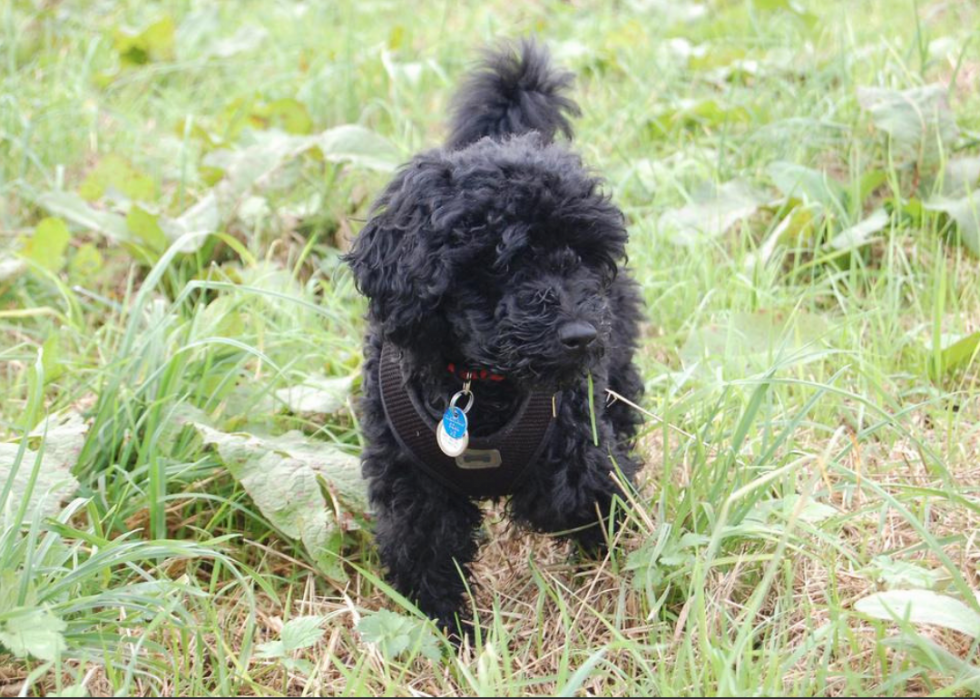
(454, 422)
(451, 434)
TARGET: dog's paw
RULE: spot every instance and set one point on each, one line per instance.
(590, 544)
(459, 632)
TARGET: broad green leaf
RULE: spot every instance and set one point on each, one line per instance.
(298, 633)
(648, 554)
(85, 264)
(271, 650)
(660, 555)
(809, 185)
(63, 436)
(798, 226)
(869, 183)
(154, 43)
(907, 212)
(693, 114)
(814, 512)
(55, 483)
(781, 509)
(47, 246)
(358, 146)
(961, 176)
(252, 167)
(200, 219)
(145, 227)
(51, 359)
(10, 591)
(860, 233)
(302, 632)
(282, 476)
(75, 690)
(712, 212)
(76, 210)
(962, 351)
(921, 607)
(395, 634)
(682, 551)
(158, 233)
(317, 394)
(902, 575)
(801, 225)
(247, 168)
(918, 121)
(235, 118)
(35, 632)
(965, 213)
(287, 114)
(115, 173)
(956, 352)
(751, 341)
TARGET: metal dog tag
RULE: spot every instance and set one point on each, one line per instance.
(454, 423)
(451, 446)
(452, 434)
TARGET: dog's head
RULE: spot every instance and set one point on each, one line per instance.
(502, 254)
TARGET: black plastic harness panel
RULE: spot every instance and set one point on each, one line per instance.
(492, 466)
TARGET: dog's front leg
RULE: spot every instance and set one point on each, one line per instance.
(426, 536)
(573, 492)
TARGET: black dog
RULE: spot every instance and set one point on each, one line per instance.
(494, 264)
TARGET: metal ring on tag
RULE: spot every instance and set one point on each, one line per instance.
(469, 403)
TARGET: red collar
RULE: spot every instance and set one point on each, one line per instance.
(474, 374)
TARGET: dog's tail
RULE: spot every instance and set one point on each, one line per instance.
(514, 90)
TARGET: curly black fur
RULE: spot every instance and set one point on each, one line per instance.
(510, 95)
(481, 252)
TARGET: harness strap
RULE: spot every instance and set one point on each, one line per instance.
(492, 466)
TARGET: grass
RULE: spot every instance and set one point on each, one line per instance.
(809, 442)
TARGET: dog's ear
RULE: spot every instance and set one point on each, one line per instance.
(398, 259)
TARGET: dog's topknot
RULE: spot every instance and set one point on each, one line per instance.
(515, 90)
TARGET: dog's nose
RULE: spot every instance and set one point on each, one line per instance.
(577, 336)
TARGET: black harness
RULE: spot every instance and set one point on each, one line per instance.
(492, 466)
